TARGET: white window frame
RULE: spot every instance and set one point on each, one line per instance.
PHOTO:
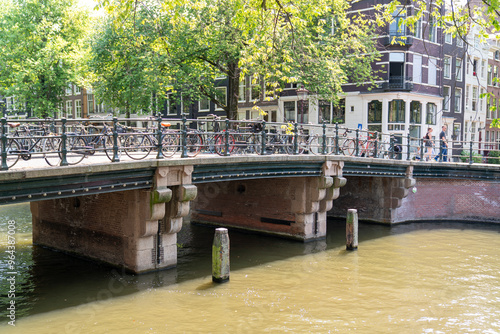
(458, 102)
(446, 97)
(69, 109)
(69, 90)
(458, 69)
(475, 92)
(224, 89)
(169, 109)
(447, 67)
(78, 108)
(78, 90)
(242, 92)
(200, 109)
(448, 38)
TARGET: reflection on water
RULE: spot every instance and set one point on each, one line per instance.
(416, 278)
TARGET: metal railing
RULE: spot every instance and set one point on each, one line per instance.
(64, 142)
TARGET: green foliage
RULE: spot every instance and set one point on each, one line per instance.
(310, 42)
(465, 156)
(41, 51)
(494, 157)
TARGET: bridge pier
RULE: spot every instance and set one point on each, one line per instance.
(134, 229)
(293, 207)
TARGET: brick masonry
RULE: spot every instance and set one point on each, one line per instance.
(385, 200)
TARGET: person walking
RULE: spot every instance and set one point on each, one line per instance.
(428, 145)
(443, 145)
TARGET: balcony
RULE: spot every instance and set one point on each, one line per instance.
(396, 83)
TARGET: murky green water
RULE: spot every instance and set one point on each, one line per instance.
(418, 278)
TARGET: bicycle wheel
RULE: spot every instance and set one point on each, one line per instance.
(107, 143)
(370, 149)
(170, 144)
(51, 151)
(13, 150)
(137, 146)
(258, 144)
(316, 145)
(349, 147)
(75, 150)
(194, 143)
(220, 144)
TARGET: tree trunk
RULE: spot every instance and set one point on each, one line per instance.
(233, 89)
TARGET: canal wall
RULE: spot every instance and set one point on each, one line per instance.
(389, 200)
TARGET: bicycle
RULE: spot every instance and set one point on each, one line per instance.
(23, 143)
(137, 146)
(219, 137)
(366, 146)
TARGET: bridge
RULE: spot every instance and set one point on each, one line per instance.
(128, 213)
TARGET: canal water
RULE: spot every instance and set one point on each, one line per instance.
(413, 278)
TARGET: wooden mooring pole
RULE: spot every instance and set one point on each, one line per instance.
(351, 229)
(220, 256)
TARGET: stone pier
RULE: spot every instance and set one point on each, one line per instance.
(133, 229)
(293, 207)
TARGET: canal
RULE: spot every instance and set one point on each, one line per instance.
(412, 278)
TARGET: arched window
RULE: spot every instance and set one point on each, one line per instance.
(397, 111)
(431, 114)
(415, 112)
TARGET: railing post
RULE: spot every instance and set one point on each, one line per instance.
(391, 146)
(336, 138)
(4, 144)
(421, 150)
(184, 137)
(263, 147)
(323, 148)
(116, 158)
(295, 138)
(470, 153)
(357, 143)
(64, 138)
(375, 154)
(159, 138)
(408, 148)
(226, 136)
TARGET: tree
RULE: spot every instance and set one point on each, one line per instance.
(42, 51)
(124, 65)
(314, 43)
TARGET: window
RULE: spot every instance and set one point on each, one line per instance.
(69, 109)
(431, 79)
(448, 38)
(397, 26)
(204, 105)
(289, 109)
(474, 67)
(446, 98)
(242, 96)
(497, 55)
(221, 96)
(338, 112)
(495, 76)
(474, 98)
(397, 111)
(457, 130)
(303, 110)
(490, 74)
(78, 108)
(255, 90)
(458, 100)
(490, 102)
(483, 69)
(415, 112)
(481, 100)
(460, 41)
(375, 112)
(418, 28)
(431, 114)
(90, 103)
(447, 67)
(78, 90)
(432, 29)
(458, 69)
(69, 90)
(476, 41)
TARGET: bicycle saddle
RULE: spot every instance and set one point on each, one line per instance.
(14, 125)
(167, 125)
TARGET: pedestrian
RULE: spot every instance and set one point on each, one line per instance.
(428, 145)
(443, 145)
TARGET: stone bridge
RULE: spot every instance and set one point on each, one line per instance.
(128, 213)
